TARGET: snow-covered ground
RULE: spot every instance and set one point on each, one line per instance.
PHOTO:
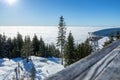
(101, 42)
(43, 68)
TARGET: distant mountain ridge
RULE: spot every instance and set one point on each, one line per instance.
(107, 32)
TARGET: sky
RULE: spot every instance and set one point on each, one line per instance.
(47, 12)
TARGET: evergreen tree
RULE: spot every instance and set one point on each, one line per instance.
(0, 42)
(10, 47)
(53, 51)
(35, 44)
(118, 35)
(19, 44)
(70, 50)
(79, 52)
(61, 36)
(111, 37)
(42, 51)
(27, 47)
(14, 53)
(83, 50)
(2, 45)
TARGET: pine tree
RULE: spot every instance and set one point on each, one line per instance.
(10, 47)
(35, 44)
(14, 50)
(19, 44)
(42, 51)
(83, 50)
(61, 36)
(70, 50)
(88, 47)
(2, 44)
(118, 35)
(27, 48)
(111, 37)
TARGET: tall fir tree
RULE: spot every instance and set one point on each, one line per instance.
(35, 44)
(61, 36)
(70, 50)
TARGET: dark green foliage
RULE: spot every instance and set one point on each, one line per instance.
(72, 53)
(17, 47)
(3, 52)
(52, 51)
(2, 41)
(83, 50)
(70, 50)
(19, 42)
(9, 47)
(118, 35)
(42, 51)
(14, 50)
(35, 44)
(111, 38)
(16, 44)
(27, 48)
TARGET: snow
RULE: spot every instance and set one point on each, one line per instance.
(43, 67)
(96, 66)
(101, 42)
(96, 69)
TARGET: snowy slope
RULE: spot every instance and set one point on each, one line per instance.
(43, 68)
(101, 65)
(101, 42)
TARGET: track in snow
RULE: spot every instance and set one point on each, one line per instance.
(90, 67)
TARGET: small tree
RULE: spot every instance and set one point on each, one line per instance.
(61, 36)
(118, 35)
(111, 37)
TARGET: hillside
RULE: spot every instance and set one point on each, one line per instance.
(106, 32)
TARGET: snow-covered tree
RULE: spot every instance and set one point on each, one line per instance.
(61, 36)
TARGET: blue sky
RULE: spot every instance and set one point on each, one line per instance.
(47, 12)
